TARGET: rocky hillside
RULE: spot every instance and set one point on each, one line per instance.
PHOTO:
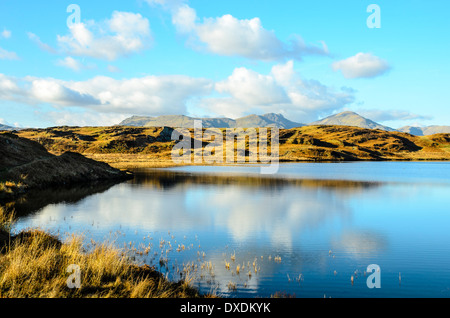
(351, 119)
(346, 118)
(139, 146)
(354, 143)
(26, 164)
(181, 121)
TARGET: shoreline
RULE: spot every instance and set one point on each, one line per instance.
(127, 164)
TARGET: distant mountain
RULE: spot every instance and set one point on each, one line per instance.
(425, 131)
(5, 127)
(349, 118)
(181, 121)
(267, 120)
(346, 118)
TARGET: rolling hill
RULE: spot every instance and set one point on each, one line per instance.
(26, 164)
(133, 147)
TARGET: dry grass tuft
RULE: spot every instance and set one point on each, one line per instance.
(34, 265)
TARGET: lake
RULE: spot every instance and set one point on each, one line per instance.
(304, 232)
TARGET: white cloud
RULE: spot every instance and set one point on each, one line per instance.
(362, 65)
(243, 92)
(70, 117)
(8, 87)
(124, 34)
(184, 18)
(43, 46)
(8, 55)
(6, 34)
(57, 92)
(229, 36)
(391, 115)
(5, 54)
(253, 88)
(281, 91)
(113, 69)
(155, 95)
(71, 63)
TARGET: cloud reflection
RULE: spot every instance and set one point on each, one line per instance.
(244, 208)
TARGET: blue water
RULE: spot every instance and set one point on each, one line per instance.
(305, 239)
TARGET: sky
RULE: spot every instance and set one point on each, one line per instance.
(95, 63)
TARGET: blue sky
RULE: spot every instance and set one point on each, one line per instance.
(304, 59)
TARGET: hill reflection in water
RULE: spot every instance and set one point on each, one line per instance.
(322, 230)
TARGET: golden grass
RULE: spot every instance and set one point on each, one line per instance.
(34, 264)
(136, 147)
(9, 187)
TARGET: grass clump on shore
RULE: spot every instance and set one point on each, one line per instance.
(35, 264)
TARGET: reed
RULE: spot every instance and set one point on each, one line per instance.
(34, 265)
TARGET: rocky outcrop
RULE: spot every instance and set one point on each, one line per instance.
(25, 164)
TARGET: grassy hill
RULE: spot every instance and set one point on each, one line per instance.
(127, 147)
(26, 164)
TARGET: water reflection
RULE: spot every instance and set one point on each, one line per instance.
(321, 230)
(360, 243)
(243, 207)
(38, 199)
(166, 179)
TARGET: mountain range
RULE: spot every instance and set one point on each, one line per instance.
(181, 121)
(6, 127)
(346, 118)
(425, 131)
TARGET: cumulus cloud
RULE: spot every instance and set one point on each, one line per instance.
(252, 88)
(244, 92)
(362, 65)
(9, 88)
(282, 91)
(59, 93)
(229, 36)
(124, 34)
(158, 95)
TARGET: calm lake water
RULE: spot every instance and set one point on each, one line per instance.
(304, 231)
